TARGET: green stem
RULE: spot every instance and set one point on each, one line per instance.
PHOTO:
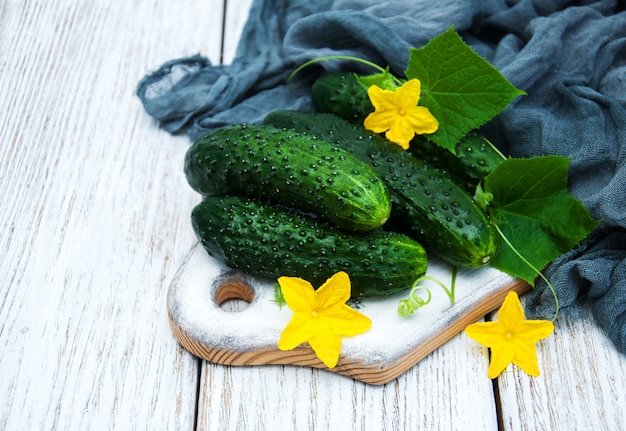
(338, 57)
(531, 266)
(452, 284)
(495, 149)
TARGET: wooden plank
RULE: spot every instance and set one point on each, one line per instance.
(432, 395)
(234, 22)
(92, 222)
(582, 385)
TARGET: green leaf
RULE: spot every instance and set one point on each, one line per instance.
(384, 80)
(482, 198)
(535, 212)
(278, 296)
(459, 87)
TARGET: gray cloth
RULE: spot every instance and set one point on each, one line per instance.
(569, 56)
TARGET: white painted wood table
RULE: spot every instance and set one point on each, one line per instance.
(94, 223)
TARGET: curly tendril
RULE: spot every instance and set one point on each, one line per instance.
(406, 307)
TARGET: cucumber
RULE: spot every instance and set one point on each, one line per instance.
(341, 94)
(291, 169)
(427, 204)
(269, 241)
(475, 158)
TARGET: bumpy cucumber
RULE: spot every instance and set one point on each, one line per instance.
(270, 241)
(341, 94)
(289, 168)
(427, 204)
(475, 158)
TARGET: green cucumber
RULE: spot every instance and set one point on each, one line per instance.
(475, 158)
(289, 168)
(427, 204)
(269, 241)
(341, 94)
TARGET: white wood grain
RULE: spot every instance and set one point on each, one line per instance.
(90, 220)
(234, 23)
(94, 224)
(445, 391)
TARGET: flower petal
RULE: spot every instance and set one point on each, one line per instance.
(347, 322)
(400, 133)
(297, 331)
(298, 293)
(327, 348)
(532, 331)
(501, 356)
(409, 93)
(511, 313)
(487, 333)
(381, 99)
(335, 291)
(422, 121)
(526, 358)
(379, 121)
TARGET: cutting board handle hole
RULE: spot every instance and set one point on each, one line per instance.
(234, 294)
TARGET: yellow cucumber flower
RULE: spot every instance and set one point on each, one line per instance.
(511, 338)
(397, 114)
(320, 316)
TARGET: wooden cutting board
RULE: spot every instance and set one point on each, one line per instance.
(249, 336)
